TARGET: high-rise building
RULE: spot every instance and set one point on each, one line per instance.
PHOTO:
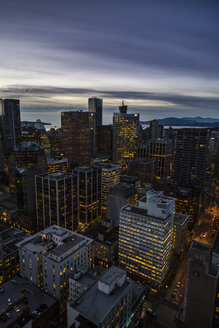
(56, 200)
(36, 132)
(24, 156)
(119, 195)
(190, 159)
(25, 191)
(89, 209)
(95, 105)
(110, 175)
(10, 124)
(161, 150)
(78, 136)
(110, 301)
(143, 168)
(125, 137)
(104, 140)
(187, 202)
(155, 130)
(28, 154)
(201, 301)
(145, 237)
(50, 256)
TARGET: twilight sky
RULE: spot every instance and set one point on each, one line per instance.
(161, 57)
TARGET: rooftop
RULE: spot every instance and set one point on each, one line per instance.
(27, 146)
(95, 305)
(57, 242)
(203, 247)
(180, 218)
(25, 295)
(58, 175)
(111, 275)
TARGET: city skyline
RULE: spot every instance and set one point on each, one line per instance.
(160, 58)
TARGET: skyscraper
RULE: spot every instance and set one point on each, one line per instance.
(190, 159)
(161, 150)
(56, 200)
(95, 105)
(10, 124)
(89, 196)
(125, 137)
(78, 136)
(110, 175)
(145, 237)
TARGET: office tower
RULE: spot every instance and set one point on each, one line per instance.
(111, 301)
(110, 175)
(89, 196)
(104, 140)
(56, 200)
(120, 195)
(50, 256)
(180, 232)
(162, 151)
(78, 136)
(201, 302)
(145, 237)
(25, 154)
(28, 154)
(143, 168)
(10, 124)
(55, 140)
(36, 132)
(95, 105)
(156, 130)
(25, 191)
(9, 257)
(125, 137)
(190, 159)
(22, 304)
(57, 164)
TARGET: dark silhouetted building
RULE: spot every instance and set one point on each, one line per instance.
(201, 301)
(104, 140)
(190, 159)
(143, 168)
(10, 124)
(95, 105)
(78, 136)
(120, 195)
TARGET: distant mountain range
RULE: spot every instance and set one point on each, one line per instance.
(187, 121)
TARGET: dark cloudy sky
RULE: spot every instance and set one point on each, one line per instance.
(161, 57)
